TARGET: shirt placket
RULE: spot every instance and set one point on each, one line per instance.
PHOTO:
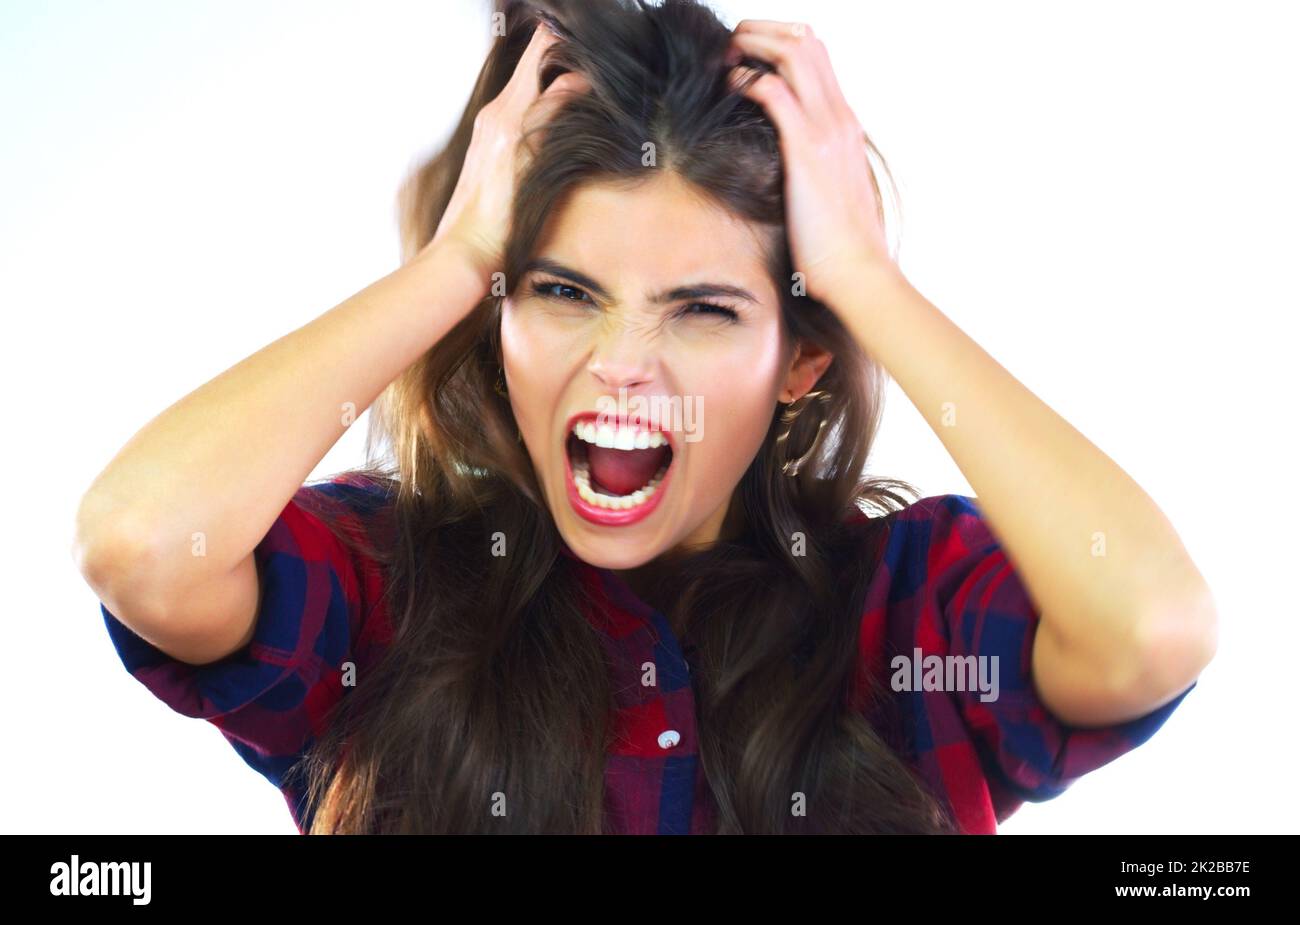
(654, 770)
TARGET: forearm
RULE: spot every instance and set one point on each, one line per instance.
(223, 461)
(1099, 557)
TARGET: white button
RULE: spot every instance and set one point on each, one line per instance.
(668, 738)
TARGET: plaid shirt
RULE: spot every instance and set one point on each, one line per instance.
(944, 586)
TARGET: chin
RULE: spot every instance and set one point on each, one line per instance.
(618, 552)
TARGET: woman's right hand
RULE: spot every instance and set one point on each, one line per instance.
(478, 216)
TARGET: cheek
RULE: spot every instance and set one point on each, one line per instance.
(532, 376)
(515, 337)
(532, 341)
(740, 366)
(735, 391)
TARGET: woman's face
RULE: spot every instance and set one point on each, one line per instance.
(650, 311)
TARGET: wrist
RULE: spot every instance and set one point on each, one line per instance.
(861, 278)
(450, 277)
(458, 264)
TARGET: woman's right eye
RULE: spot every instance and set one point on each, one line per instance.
(558, 290)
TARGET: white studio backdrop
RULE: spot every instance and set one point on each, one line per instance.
(1103, 195)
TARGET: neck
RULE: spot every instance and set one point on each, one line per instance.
(652, 582)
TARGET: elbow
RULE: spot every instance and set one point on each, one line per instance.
(1162, 654)
(108, 546)
(1176, 642)
(119, 563)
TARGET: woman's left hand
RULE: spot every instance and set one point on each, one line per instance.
(831, 206)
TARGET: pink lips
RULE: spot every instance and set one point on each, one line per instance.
(604, 516)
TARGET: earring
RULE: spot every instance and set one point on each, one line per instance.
(788, 416)
(500, 388)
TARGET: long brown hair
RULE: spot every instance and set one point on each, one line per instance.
(495, 682)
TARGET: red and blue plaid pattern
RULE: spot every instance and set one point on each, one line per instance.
(944, 586)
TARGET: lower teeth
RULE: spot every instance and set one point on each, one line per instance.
(582, 479)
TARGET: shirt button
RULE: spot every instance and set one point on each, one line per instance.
(668, 738)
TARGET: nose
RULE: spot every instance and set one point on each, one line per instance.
(622, 359)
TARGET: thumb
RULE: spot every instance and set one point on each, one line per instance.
(561, 91)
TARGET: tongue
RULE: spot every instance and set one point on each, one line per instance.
(621, 472)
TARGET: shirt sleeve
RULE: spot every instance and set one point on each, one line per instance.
(982, 608)
(318, 605)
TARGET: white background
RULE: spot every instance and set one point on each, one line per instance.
(1103, 195)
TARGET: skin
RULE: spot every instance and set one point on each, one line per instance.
(1123, 629)
(1121, 632)
(561, 353)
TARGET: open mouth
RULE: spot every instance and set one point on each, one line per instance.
(616, 473)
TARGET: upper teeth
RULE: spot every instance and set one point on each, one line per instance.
(618, 438)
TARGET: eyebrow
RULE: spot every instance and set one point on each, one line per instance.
(698, 291)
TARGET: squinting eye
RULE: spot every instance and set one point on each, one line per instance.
(563, 292)
(546, 291)
(720, 311)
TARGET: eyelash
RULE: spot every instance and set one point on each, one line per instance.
(542, 288)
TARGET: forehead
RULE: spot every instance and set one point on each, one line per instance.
(660, 230)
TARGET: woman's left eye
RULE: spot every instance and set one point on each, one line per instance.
(708, 308)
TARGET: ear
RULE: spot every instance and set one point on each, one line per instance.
(807, 366)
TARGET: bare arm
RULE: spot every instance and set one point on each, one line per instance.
(224, 460)
(219, 466)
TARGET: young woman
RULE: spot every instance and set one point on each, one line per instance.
(545, 605)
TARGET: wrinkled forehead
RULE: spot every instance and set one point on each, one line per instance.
(656, 233)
